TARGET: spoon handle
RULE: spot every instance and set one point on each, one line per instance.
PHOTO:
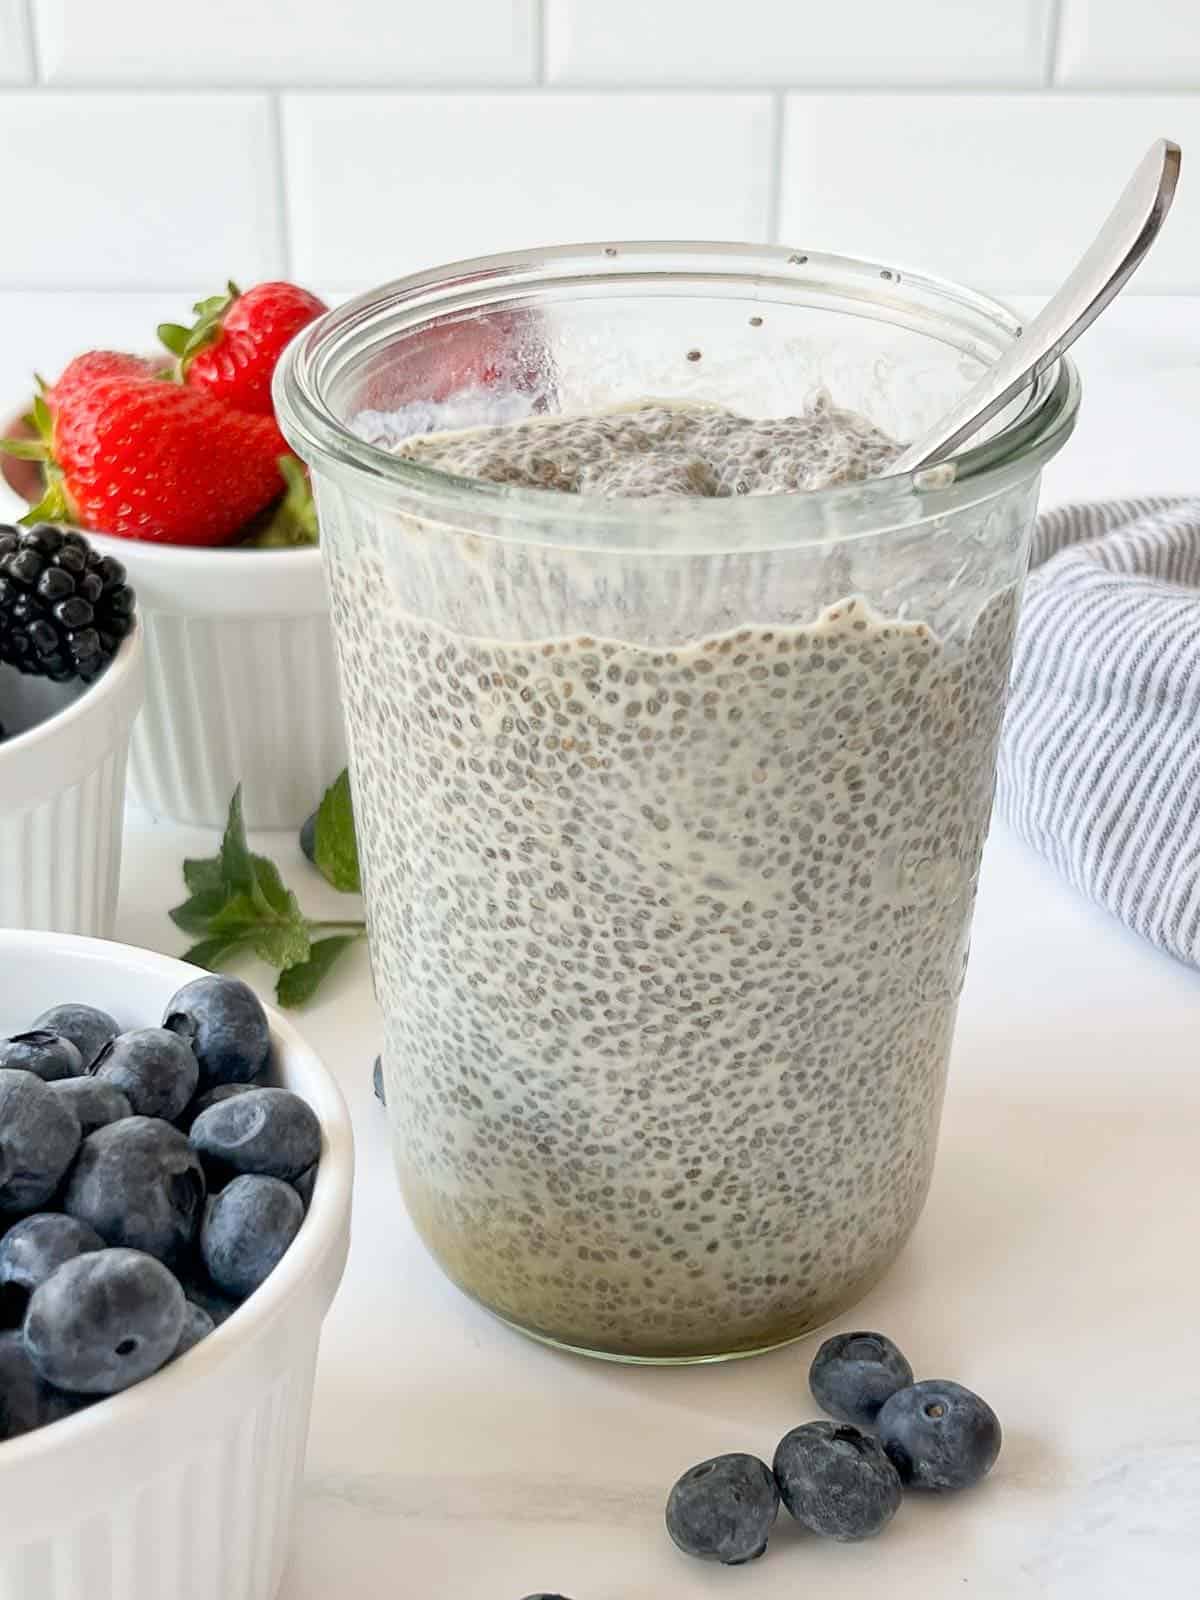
(1105, 268)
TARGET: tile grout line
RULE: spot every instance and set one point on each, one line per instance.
(283, 230)
(35, 51)
(775, 162)
(541, 64)
(560, 90)
(1054, 21)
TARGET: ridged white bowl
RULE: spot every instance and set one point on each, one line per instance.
(62, 795)
(185, 1486)
(241, 683)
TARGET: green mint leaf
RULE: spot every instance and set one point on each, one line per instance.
(299, 983)
(198, 914)
(237, 864)
(238, 913)
(203, 877)
(336, 848)
(276, 898)
(283, 945)
(212, 953)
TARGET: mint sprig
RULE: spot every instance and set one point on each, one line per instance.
(335, 846)
(240, 904)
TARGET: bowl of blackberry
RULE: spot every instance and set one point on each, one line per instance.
(71, 686)
(175, 1181)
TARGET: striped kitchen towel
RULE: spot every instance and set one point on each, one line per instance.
(1100, 756)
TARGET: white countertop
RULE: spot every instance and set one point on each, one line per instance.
(1054, 1269)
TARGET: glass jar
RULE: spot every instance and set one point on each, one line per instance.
(670, 811)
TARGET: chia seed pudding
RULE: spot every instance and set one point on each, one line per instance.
(668, 940)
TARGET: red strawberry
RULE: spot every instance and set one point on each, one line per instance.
(94, 365)
(231, 351)
(131, 455)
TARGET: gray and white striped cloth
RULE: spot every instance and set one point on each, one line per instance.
(1100, 756)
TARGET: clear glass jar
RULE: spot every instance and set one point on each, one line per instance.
(670, 812)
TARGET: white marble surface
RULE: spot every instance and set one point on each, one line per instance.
(1054, 1268)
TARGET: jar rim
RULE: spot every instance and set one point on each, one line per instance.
(1040, 426)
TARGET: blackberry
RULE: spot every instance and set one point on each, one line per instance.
(64, 608)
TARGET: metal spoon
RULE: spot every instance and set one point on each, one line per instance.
(1108, 264)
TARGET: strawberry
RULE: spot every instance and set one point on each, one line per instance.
(128, 454)
(230, 351)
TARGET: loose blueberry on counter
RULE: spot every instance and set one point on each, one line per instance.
(213, 1097)
(854, 1373)
(104, 1321)
(836, 1480)
(93, 1101)
(939, 1435)
(224, 1022)
(139, 1183)
(155, 1070)
(47, 1055)
(545, 1597)
(723, 1510)
(246, 1231)
(88, 1028)
(272, 1132)
(197, 1325)
(308, 838)
(39, 1136)
(377, 1081)
(34, 1248)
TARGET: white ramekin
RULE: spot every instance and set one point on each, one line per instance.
(62, 796)
(185, 1486)
(241, 683)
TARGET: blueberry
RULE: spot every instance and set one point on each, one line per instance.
(213, 1097)
(939, 1435)
(139, 1183)
(47, 1055)
(724, 1509)
(22, 1392)
(38, 1140)
(197, 1325)
(224, 1022)
(95, 1102)
(836, 1480)
(246, 1231)
(854, 1373)
(268, 1131)
(303, 1185)
(377, 1081)
(88, 1029)
(155, 1070)
(34, 1248)
(220, 1307)
(545, 1597)
(104, 1321)
(308, 838)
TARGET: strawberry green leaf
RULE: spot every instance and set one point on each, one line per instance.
(299, 983)
(174, 337)
(292, 520)
(336, 848)
(25, 449)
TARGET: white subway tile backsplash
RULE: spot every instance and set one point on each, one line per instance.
(138, 190)
(790, 42)
(1001, 191)
(384, 184)
(286, 41)
(15, 63)
(1155, 42)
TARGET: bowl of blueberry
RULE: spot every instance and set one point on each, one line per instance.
(175, 1183)
(71, 685)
